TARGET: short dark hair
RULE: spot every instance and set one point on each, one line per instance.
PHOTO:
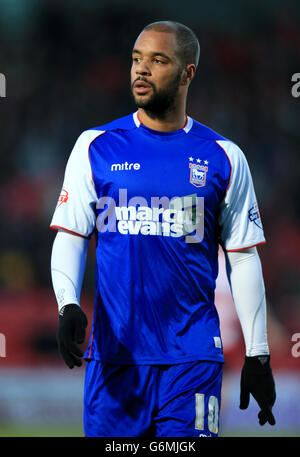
(188, 47)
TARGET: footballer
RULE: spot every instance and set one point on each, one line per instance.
(160, 192)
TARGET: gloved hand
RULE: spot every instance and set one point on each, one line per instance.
(257, 379)
(71, 331)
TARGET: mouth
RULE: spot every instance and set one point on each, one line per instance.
(141, 87)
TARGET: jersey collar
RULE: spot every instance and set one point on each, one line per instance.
(187, 127)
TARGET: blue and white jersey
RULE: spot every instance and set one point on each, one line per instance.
(159, 203)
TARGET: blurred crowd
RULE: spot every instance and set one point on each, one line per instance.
(68, 70)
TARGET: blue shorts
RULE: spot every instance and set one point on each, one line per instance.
(152, 400)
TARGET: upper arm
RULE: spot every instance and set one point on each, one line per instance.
(75, 210)
(239, 219)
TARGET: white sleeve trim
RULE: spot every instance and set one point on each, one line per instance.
(244, 273)
(68, 261)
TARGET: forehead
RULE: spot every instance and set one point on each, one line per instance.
(153, 41)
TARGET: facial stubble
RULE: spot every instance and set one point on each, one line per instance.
(161, 102)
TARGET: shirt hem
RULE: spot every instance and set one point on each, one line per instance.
(195, 358)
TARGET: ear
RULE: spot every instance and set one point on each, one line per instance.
(188, 74)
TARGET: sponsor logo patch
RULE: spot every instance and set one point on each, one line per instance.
(63, 198)
(254, 215)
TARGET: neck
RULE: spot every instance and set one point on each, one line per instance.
(165, 122)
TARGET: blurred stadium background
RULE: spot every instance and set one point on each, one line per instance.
(67, 69)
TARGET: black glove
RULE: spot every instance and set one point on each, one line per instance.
(71, 330)
(257, 379)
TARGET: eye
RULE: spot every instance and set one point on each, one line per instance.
(136, 59)
(158, 61)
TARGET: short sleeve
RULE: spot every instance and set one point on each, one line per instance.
(239, 219)
(75, 209)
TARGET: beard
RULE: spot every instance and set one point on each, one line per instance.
(160, 102)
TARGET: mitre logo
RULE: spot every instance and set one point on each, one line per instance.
(125, 166)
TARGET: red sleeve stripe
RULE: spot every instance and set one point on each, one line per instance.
(57, 227)
(242, 249)
(229, 164)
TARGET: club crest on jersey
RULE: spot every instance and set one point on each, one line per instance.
(198, 174)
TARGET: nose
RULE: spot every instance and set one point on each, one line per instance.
(142, 68)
